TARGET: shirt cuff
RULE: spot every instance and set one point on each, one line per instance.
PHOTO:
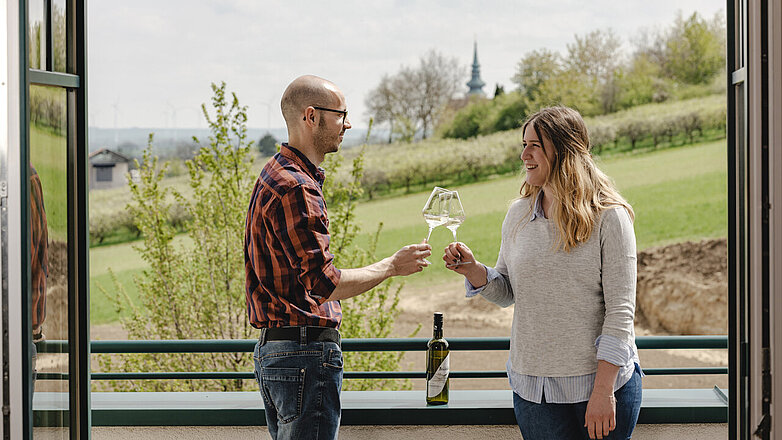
(491, 275)
(612, 350)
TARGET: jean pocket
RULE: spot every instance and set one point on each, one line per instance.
(283, 389)
(334, 359)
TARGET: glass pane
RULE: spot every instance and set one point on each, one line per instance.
(49, 267)
(59, 39)
(36, 34)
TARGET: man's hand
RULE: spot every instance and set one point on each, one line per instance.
(410, 259)
(601, 413)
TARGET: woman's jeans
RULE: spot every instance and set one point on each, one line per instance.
(557, 421)
(300, 385)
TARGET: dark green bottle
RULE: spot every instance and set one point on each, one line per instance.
(437, 365)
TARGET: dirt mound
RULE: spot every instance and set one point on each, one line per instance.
(683, 288)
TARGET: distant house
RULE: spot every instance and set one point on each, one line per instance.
(108, 169)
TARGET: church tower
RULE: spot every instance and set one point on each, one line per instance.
(476, 83)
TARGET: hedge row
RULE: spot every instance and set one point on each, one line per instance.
(403, 166)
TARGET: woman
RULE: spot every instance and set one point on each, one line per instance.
(567, 261)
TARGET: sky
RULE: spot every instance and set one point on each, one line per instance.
(151, 62)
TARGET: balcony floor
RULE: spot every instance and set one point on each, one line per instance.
(713, 431)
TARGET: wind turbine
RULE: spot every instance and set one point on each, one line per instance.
(116, 112)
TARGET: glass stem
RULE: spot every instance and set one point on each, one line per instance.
(429, 234)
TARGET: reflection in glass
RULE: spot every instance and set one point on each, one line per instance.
(59, 42)
(49, 268)
(36, 34)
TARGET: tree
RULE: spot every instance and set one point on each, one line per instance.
(691, 50)
(436, 81)
(267, 145)
(198, 292)
(595, 54)
(595, 58)
(389, 102)
(695, 49)
(534, 69)
(641, 83)
(498, 91)
(416, 94)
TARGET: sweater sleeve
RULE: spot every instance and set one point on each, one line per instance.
(617, 243)
(498, 289)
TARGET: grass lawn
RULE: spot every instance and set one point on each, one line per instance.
(49, 157)
(126, 264)
(678, 194)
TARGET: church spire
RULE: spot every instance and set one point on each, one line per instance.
(476, 83)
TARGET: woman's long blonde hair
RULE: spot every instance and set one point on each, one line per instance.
(579, 189)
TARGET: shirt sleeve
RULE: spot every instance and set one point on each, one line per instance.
(302, 227)
(617, 241)
(611, 349)
(491, 275)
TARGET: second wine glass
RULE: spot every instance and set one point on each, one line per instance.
(454, 213)
(454, 218)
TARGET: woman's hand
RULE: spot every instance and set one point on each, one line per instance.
(458, 253)
(474, 271)
(601, 413)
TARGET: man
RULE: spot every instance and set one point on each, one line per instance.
(293, 289)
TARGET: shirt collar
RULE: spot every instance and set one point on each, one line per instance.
(537, 210)
(292, 153)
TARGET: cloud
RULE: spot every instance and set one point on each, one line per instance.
(153, 57)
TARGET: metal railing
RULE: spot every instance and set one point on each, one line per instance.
(358, 345)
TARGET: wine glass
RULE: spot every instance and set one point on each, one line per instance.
(455, 212)
(454, 218)
(435, 209)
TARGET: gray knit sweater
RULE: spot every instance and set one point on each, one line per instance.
(564, 300)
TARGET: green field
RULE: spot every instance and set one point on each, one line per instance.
(677, 194)
(48, 154)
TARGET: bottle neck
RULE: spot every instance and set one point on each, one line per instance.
(437, 333)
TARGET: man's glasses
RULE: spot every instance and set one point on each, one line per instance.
(343, 112)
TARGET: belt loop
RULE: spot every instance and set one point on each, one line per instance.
(263, 337)
(303, 335)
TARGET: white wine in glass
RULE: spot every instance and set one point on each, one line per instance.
(454, 218)
(435, 210)
(455, 213)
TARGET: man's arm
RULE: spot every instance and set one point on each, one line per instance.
(406, 261)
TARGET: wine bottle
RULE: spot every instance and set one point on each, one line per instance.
(437, 367)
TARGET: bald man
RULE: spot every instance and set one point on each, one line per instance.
(292, 287)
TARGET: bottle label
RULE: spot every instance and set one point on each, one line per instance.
(436, 384)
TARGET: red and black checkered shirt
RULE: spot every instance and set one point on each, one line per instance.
(39, 253)
(290, 271)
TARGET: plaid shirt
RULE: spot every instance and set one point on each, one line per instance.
(290, 271)
(39, 253)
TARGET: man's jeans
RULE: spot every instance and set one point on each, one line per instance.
(543, 421)
(300, 385)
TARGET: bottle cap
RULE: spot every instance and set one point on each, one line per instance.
(438, 318)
